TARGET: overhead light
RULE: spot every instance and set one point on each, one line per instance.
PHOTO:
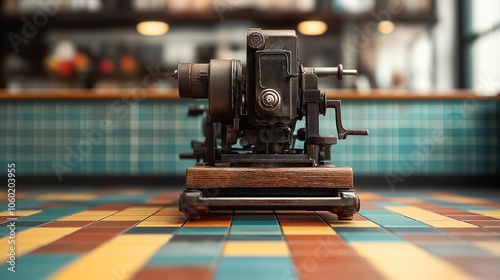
(152, 28)
(312, 27)
(385, 27)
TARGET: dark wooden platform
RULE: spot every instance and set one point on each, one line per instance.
(201, 177)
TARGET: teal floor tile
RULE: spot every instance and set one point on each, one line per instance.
(190, 248)
(37, 266)
(6, 231)
(44, 217)
(359, 230)
(203, 230)
(397, 224)
(26, 204)
(254, 237)
(160, 260)
(254, 217)
(389, 203)
(370, 237)
(190, 238)
(390, 219)
(254, 223)
(243, 268)
(255, 231)
(53, 214)
(416, 230)
(374, 212)
(457, 251)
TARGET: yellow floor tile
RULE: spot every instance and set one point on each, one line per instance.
(161, 201)
(180, 215)
(365, 196)
(96, 212)
(490, 246)
(47, 231)
(353, 224)
(19, 195)
(32, 239)
(205, 223)
(125, 218)
(83, 218)
(147, 223)
(251, 248)
(407, 200)
(22, 213)
(401, 259)
(169, 211)
(428, 217)
(131, 213)
(119, 258)
(458, 198)
(67, 196)
(138, 211)
(166, 218)
(449, 224)
(489, 213)
(132, 239)
(299, 230)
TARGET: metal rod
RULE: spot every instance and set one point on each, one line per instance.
(265, 201)
(331, 72)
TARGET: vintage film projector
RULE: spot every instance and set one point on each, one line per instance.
(274, 166)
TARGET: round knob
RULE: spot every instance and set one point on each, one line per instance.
(256, 40)
(269, 100)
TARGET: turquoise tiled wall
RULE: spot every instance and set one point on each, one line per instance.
(145, 137)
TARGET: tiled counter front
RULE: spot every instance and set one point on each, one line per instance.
(118, 137)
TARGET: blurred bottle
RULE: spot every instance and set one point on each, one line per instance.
(10, 7)
(111, 6)
(59, 64)
(16, 71)
(302, 6)
(68, 65)
(84, 5)
(353, 6)
(150, 5)
(128, 67)
(107, 67)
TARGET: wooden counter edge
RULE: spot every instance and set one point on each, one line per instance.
(172, 94)
(84, 94)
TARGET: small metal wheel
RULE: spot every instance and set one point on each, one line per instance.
(191, 217)
(194, 212)
(344, 217)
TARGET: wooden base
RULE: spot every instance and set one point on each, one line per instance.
(194, 203)
(204, 177)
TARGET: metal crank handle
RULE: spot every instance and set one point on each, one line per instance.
(342, 132)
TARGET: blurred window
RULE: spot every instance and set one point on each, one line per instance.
(485, 15)
(481, 41)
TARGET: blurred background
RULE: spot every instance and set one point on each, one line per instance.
(426, 89)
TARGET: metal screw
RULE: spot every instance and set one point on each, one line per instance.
(243, 142)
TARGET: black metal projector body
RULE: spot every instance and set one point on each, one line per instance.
(260, 110)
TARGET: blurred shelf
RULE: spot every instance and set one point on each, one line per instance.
(269, 18)
(172, 94)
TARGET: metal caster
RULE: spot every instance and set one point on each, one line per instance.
(191, 212)
(344, 217)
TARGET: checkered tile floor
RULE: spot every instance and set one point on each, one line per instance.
(126, 233)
